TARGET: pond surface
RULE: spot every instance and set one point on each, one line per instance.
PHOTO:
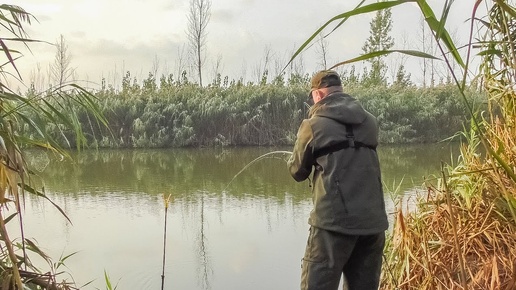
(221, 233)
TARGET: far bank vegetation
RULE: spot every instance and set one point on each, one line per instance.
(173, 112)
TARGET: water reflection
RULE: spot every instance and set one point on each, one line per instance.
(183, 171)
(415, 163)
(205, 270)
(176, 171)
(250, 235)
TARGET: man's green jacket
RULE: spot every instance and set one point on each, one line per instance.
(346, 186)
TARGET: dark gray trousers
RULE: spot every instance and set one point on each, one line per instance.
(329, 254)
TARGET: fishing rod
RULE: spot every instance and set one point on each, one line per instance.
(266, 155)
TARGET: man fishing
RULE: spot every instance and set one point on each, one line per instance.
(348, 221)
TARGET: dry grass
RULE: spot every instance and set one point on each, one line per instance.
(462, 234)
(425, 256)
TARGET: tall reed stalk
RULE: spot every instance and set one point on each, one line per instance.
(36, 112)
(166, 200)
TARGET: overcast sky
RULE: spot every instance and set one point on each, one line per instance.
(105, 38)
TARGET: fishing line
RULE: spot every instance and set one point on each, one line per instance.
(266, 155)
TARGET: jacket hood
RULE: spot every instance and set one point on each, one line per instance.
(340, 107)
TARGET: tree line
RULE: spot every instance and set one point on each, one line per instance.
(179, 111)
(168, 112)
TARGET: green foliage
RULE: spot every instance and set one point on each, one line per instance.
(402, 78)
(185, 114)
(378, 40)
(416, 114)
(178, 115)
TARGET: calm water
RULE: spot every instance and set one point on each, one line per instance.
(248, 235)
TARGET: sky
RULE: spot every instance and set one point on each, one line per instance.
(106, 38)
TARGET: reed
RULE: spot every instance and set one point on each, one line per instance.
(107, 280)
(36, 112)
(166, 200)
(462, 234)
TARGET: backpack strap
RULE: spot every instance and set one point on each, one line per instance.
(348, 143)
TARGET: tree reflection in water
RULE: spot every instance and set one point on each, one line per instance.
(250, 235)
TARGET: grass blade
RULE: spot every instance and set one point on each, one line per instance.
(385, 52)
(357, 11)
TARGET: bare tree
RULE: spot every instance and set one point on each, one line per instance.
(243, 71)
(279, 63)
(61, 70)
(217, 70)
(198, 18)
(297, 66)
(37, 78)
(261, 69)
(454, 67)
(322, 50)
(396, 67)
(180, 62)
(155, 66)
(428, 45)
